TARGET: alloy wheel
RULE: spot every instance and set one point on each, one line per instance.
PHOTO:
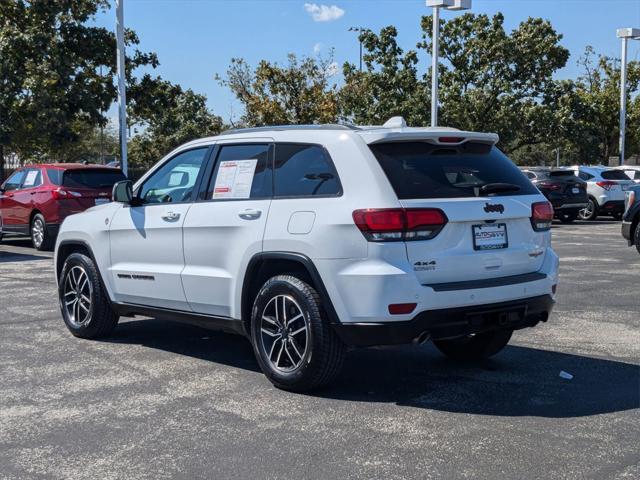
(284, 332)
(587, 213)
(78, 295)
(37, 232)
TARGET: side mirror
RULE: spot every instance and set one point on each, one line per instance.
(123, 192)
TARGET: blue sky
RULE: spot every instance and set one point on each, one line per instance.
(195, 39)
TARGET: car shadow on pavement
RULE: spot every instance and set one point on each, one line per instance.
(520, 381)
(6, 257)
(213, 346)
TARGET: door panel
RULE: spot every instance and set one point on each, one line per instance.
(146, 255)
(8, 200)
(146, 240)
(224, 230)
(24, 198)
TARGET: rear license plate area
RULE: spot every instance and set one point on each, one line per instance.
(497, 318)
(490, 236)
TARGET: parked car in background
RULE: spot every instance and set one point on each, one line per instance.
(631, 218)
(632, 171)
(310, 239)
(566, 192)
(35, 199)
(606, 188)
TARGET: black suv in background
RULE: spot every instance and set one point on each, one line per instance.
(566, 192)
(631, 218)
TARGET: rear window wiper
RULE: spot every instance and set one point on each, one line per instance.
(490, 188)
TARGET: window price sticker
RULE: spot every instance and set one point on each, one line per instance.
(235, 178)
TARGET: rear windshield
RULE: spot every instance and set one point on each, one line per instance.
(91, 178)
(562, 173)
(614, 175)
(423, 170)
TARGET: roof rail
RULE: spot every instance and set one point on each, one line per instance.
(289, 127)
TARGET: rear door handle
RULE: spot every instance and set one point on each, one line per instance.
(250, 214)
(171, 216)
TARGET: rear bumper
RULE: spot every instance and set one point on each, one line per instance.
(450, 322)
(613, 206)
(570, 207)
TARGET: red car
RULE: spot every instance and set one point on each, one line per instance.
(36, 199)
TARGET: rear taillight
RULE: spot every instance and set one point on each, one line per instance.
(398, 224)
(59, 194)
(541, 216)
(549, 186)
(607, 185)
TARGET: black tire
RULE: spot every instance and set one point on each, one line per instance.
(591, 212)
(567, 217)
(636, 237)
(476, 347)
(100, 318)
(323, 354)
(40, 238)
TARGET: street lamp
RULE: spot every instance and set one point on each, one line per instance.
(360, 30)
(625, 34)
(122, 97)
(437, 5)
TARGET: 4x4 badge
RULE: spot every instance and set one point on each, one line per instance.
(498, 207)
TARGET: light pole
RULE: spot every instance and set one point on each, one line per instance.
(122, 97)
(359, 30)
(625, 34)
(437, 5)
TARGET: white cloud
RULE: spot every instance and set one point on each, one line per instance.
(317, 48)
(323, 13)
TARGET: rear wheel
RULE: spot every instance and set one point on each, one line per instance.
(636, 237)
(567, 217)
(591, 211)
(40, 239)
(85, 307)
(293, 342)
(474, 347)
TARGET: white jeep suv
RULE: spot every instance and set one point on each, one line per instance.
(312, 239)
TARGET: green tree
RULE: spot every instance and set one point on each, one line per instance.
(52, 87)
(596, 110)
(389, 85)
(297, 93)
(167, 116)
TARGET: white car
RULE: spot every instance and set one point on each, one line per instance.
(606, 188)
(631, 171)
(311, 239)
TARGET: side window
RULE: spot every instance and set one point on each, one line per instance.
(637, 175)
(55, 175)
(32, 178)
(304, 171)
(15, 180)
(175, 180)
(585, 176)
(241, 171)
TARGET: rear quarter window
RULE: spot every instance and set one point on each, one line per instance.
(614, 175)
(419, 170)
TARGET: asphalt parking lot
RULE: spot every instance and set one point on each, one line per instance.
(164, 400)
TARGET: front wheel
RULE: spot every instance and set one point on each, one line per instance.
(591, 211)
(84, 304)
(474, 347)
(293, 342)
